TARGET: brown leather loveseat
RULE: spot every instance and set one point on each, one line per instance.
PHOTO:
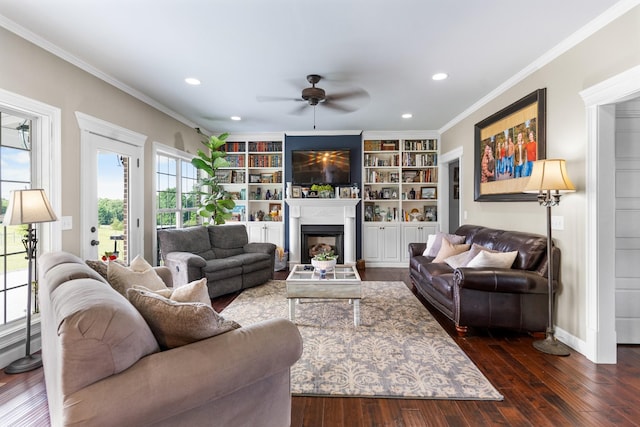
(513, 298)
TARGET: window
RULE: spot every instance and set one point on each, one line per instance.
(176, 196)
(15, 174)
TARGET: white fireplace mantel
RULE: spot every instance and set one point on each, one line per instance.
(322, 211)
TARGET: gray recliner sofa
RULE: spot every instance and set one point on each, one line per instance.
(221, 253)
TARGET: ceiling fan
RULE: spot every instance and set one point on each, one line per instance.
(316, 96)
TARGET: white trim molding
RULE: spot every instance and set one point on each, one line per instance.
(600, 99)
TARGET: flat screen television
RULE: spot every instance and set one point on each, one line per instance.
(321, 167)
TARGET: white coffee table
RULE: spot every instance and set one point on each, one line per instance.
(341, 283)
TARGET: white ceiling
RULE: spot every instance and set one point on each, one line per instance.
(242, 50)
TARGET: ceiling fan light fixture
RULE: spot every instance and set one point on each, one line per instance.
(192, 81)
(440, 76)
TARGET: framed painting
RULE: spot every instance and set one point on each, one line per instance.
(254, 178)
(345, 192)
(506, 144)
(428, 193)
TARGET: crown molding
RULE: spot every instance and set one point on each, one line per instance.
(573, 40)
(68, 57)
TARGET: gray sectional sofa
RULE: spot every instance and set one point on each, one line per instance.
(103, 365)
(221, 253)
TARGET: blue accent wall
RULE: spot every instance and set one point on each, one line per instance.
(327, 142)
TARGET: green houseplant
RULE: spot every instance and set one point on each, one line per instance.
(215, 203)
(324, 261)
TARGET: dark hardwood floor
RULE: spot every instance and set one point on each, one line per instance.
(538, 389)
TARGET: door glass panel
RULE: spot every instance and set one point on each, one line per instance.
(113, 205)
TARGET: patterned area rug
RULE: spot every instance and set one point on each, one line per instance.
(399, 350)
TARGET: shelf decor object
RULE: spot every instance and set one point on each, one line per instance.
(28, 207)
(548, 179)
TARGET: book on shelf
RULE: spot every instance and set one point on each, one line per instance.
(265, 146)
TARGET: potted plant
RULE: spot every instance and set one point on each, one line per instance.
(324, 261)
(324, 190)
(215, 203)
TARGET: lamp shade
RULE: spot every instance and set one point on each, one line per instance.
(28, 207)
(550, 174)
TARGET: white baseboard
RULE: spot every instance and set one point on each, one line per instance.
(572, 341)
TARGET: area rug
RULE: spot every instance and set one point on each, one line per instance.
(398, 351)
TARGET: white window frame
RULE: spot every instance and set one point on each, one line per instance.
(181, 156)
(46, 174)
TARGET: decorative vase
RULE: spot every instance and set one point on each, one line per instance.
(321, 266)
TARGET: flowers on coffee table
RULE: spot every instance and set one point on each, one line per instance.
(324, 261)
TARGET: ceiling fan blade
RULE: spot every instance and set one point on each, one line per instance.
(301, 109)
(276, 98)
(353, 94)
(337, 107)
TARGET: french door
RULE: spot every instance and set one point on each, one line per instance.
(112, 190)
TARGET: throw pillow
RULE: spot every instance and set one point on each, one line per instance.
(493, 260)
(140, 264)
(122, 278)
(100, 266)
(430, 241)
(175, 324)
(474, 251)
(448, 249)
(195, 291)
(457, 261)
(162, 292)
(452, 238)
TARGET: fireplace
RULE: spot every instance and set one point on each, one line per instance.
(318, 238)
(325, 212)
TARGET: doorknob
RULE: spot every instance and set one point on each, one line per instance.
(95, 243)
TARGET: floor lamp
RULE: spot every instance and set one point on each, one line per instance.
(28, 207)
(548, 178)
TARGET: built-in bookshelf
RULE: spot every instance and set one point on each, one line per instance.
(400, 180)
(400, 194)
(254, 178)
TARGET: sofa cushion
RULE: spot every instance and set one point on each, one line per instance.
(493, 260)
(253, 261)
(175, 324)
(192, 239)
(62, 273)
(219, 265)
(228, 236)
(101, 334)
(122, 278)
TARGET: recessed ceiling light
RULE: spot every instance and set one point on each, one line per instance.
(407, 115)
(236, 118)
(439, 76)
(192, 81)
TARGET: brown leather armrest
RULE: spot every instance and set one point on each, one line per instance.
(500, 280)
(416, 249)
